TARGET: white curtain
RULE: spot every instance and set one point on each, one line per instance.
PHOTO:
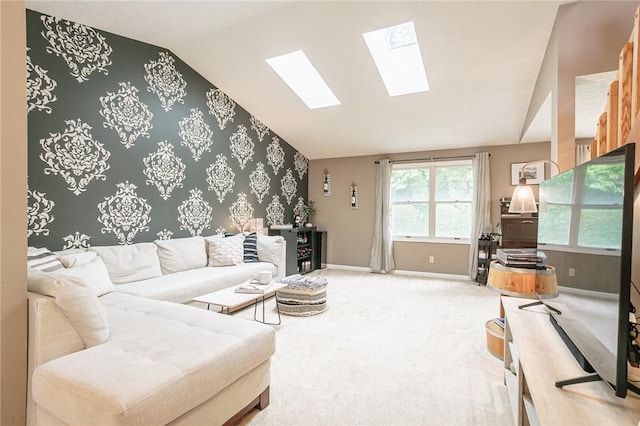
(583, 154)
(481, 208)
(382, 250)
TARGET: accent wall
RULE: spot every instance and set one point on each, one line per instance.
(127, 143)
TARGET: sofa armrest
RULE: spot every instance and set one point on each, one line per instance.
(51, 336)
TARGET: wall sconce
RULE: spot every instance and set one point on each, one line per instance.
(353, 196)
(326, 184)
(522, 200)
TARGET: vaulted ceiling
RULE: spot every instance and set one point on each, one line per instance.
(482, 59)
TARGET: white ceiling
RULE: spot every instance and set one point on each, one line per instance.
(482, 59)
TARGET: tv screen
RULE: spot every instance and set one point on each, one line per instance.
(585, 224)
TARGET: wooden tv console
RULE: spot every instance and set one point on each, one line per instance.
(536, 358)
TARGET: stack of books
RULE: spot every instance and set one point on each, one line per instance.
(522, 258)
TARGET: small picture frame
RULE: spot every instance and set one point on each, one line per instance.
(534, 173)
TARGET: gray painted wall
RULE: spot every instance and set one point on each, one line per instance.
(127, 143)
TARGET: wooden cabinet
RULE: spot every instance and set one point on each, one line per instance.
(535, 358)
(516, 282)
(518, 231)
(301, 248)
(522, 408)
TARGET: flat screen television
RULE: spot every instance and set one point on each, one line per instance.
(585, 227)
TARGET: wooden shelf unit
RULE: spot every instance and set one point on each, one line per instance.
(536, 358)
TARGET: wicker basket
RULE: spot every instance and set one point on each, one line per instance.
(302, 302)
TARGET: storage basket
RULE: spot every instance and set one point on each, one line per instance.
(299, 301)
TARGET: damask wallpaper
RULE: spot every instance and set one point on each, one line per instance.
(127, 143)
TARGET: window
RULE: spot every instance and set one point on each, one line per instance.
(396, 53)
(432, 200)
(301, 76)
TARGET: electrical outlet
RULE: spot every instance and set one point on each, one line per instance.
(572, 272)
(432, 259)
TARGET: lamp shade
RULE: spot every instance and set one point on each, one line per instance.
(523, 200)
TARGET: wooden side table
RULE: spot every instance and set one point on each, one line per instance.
(516, 282)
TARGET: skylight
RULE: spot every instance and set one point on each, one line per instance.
(396, 53)
(297, 71)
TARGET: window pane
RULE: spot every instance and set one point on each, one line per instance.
(593, 234)
(604, 184)
(454, 183)
(561, 190)
(409, 185)
(555, 222)
(410, 219)
(453, 220)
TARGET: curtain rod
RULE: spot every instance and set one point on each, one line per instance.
(415, 160)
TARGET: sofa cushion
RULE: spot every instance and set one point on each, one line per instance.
(130, 263)
(85, 313)
(71, 260)
(137, 376)
(77, 301)
(183, 287)
(93, 273)
(249, 246)
(181, 254)
(226, 251)
(270, 248)
(42, 259)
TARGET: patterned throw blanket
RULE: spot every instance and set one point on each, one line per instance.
(300, 282)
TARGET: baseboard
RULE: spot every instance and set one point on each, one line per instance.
(431, 275)
(402, 272)
(588, 293)
(348, 268)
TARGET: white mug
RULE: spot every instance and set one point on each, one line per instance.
(265, 277)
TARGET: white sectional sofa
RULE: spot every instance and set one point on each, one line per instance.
(179, 270)
(108, 344)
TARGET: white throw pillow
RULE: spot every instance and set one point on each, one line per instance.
(226, 251)
(42, 259)
(41, 282)
(76, 259)
(85, 313)
(129, 263)
(181, 254)
(93, 273)
(77, 301)
(270, 248)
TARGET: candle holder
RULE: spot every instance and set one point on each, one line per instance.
(326, 184)
(353, 196)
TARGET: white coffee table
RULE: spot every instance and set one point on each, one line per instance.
(230, 301)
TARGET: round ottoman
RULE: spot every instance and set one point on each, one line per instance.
(303, 299)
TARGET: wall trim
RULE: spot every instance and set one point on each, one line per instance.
(348, 267)
(402, 272)
(431, 275)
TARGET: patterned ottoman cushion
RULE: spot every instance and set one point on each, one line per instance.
(303, 297)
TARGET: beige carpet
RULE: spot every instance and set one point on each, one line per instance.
(389, 350)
